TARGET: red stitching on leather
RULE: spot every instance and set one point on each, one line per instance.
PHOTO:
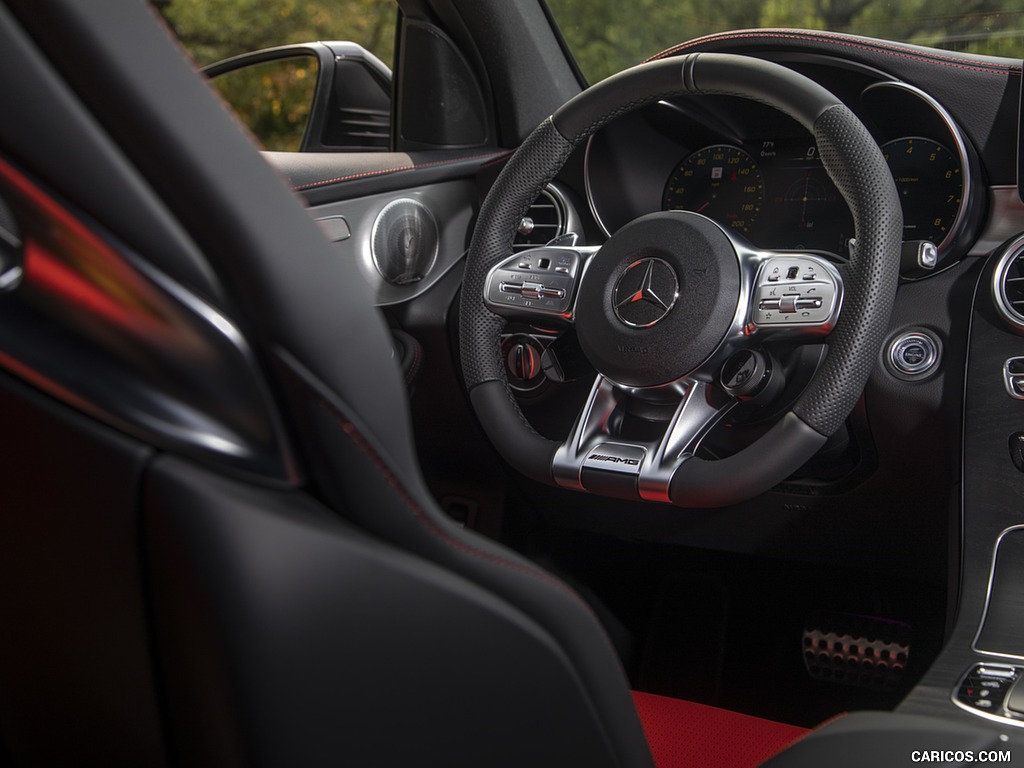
(396, 169)
(876, 47)
(363, 444)
(499, 161)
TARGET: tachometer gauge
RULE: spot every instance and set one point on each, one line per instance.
(930, 186)
(721, 182)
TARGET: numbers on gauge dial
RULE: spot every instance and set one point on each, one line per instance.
(722, 182)
(930, 185)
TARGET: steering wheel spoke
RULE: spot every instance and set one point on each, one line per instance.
(537, 282)
(673, 300)
(597, 458)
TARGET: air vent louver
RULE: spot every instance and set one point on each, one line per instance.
(1008, 285)
(364, 128)
(543, 222)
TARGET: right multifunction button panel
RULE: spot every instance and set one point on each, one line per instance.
(992, 691)
(796, 291)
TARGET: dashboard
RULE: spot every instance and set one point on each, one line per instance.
(921, 466)
(758, 173)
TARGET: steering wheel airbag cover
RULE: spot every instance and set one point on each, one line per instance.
(707, 274)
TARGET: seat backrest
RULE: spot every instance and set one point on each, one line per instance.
(312, 607)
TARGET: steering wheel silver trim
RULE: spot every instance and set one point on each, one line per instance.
(850, 157)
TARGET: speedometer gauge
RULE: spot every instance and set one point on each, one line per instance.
(721, 182)
(930, 185)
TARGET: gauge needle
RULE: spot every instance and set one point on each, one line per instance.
(703, 207)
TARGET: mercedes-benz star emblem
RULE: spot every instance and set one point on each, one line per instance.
(645, 293)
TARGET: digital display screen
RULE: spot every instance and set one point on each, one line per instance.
(775, 192)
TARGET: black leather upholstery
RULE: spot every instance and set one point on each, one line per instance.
(327, 355)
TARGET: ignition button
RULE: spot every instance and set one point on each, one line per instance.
(914, 354)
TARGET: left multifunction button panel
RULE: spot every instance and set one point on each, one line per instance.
(541, 280)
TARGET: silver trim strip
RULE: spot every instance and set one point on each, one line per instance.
(589, 189)
(1009, 377)
(967, 196)
(988, 597)
(693, 419)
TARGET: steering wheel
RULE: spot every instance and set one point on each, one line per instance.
(673, 305)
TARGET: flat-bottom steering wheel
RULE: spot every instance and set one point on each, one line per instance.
(673, 304)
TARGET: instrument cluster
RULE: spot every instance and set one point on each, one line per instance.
(757, 173)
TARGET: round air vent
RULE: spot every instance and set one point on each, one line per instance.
(1008, 285)
(543, 222)
(404, 241)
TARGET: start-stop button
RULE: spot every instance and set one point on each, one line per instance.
(914, 354)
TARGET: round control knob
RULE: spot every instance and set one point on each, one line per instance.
(746, 374)
(523, 363)
(914, 354)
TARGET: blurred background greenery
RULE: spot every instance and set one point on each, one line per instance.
(214, 29)
(604, 35)
(608, 35)
(273, 99)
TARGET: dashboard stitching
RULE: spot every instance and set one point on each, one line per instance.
(497, 161)
(995, 69)
(396, 169)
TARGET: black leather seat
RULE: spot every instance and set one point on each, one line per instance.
(298, 600)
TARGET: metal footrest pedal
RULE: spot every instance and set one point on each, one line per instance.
(849, 649)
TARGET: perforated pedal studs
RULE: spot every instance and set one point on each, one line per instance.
(865, 651)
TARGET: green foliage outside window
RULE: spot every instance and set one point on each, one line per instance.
(604, 35)
(212, 30)
(609, 35)
(273, 99)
